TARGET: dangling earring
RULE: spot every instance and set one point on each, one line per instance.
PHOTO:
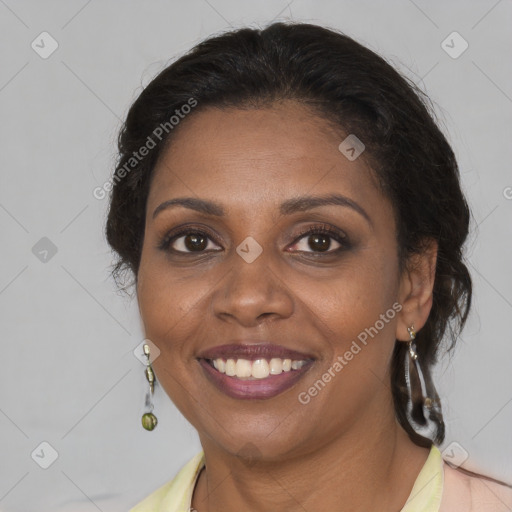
(419, 403)
(424, 410)
(149, 420)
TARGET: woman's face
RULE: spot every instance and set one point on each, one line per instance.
(244, 273)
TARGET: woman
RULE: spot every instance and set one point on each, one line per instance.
(294, 222)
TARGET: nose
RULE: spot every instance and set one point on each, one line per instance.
(252, 293)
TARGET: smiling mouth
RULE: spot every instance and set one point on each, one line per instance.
(257, 369)
(256, 379)
(253, 369)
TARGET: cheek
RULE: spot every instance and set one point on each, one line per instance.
(356, 310)
(166, 303)
(355, 297)
(355, 372)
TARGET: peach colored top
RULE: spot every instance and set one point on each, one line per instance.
(438, 488)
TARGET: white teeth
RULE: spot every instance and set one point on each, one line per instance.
(276, 366)
(260, 369)
(230, 367)
(257, 369)
(243, 368)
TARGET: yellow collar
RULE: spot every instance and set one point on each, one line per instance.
(427, 490)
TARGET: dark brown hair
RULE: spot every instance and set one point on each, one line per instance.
(361, 93)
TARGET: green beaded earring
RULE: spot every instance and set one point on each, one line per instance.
(149, 421)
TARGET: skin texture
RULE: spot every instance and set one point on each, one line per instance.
(345, 446)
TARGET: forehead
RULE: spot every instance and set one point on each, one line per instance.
(246, 158)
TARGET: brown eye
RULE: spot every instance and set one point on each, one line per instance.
(188, 241)
(321, 240)
(195, 242)
(320, 243)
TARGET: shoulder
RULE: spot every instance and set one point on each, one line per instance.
(465, 491)
(175, 495)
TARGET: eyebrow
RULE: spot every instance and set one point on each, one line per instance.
(288, 207)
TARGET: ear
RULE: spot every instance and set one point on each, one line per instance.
(416, 286)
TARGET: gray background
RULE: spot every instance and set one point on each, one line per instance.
(68, 373)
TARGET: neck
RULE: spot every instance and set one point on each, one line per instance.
(371, 467)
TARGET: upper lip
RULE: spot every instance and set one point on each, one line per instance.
(252, 350)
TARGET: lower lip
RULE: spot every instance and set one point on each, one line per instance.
(257, 389)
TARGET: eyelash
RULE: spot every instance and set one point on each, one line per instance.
(322, 229)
